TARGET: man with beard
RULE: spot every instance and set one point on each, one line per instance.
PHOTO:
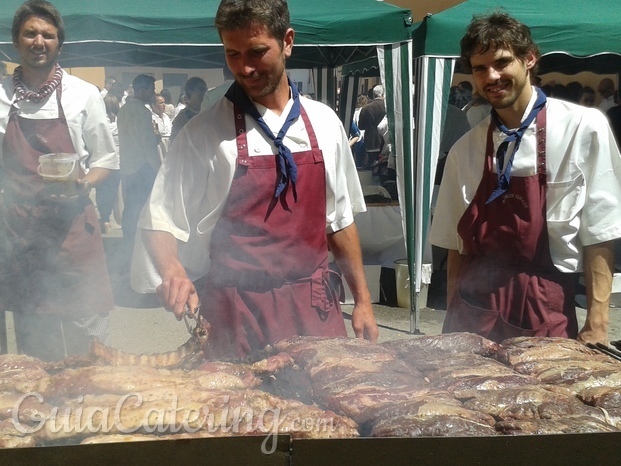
(53, 272)
(254, 191)
(528, 198)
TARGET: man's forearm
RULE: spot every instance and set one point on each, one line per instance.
(163, 250)
(345, 246)
(598, 271)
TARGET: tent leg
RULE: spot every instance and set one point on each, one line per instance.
(415, 318)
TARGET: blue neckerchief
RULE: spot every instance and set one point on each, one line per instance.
(287, 167)
(512, 135)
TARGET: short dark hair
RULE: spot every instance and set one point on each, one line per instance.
(238, 14)
(193, 84)
(42, 9)
(143, 81)
(494, 31)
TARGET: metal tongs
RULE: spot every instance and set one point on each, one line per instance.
(195, 316)
(612, 352)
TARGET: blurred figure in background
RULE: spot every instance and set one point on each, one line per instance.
(587, 97)
(169, 108)
(106, 193)
(370, 116)
(161, 123)
(140, 159)
(194, 90)
(606, 88)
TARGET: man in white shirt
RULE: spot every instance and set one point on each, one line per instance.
(161, 123)
(53, 273)
(253, 192)
(138, 150)
(526, 200)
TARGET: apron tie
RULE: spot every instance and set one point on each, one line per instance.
(288, 170)
(504, 176)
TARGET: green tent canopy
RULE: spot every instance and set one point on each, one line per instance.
(182, 34)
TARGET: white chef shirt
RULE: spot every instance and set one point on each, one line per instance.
(583, 174)
(86, 117)
(192, 186)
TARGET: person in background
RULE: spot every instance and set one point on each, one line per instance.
(587, 97)
(140, 159)
(370, 116)
(356, 135)
(119, 91)
(161, 123)
(107, 191)
(477, 110)
(194, 90)
(253, 193)
(606, 88)
(574, 90)
(169, 108)
(110, 80)
(53, 274)
(181, 103)
(528, 198)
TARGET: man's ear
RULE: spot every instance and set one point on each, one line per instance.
(288, 42)
(530, 60)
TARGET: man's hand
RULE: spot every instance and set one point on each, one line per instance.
(177, 292)
(363, 322)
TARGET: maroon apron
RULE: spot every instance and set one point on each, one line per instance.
(269, 278)
(56, 258)
(508, 285)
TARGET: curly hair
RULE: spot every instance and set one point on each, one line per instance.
(495, 31)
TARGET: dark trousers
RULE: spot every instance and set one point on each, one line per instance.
(136, 190)
(105, 194)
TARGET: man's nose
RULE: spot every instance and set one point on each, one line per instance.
(492, 74)
(38, 40)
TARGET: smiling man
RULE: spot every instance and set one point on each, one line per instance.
(530, 196)
(253, 193)
(53, 272)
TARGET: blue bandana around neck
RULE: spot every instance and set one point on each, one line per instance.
(288, 170)
(512, 135)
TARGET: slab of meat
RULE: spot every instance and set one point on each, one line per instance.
(393, 408)
(432, 426)
(467, 387)
(524, 349)
(603, 397)
(353, 402)
(566, 425)
(22, 374)
(27, 408)
(10, 437)
(429, 361)
(126, 379)
(611, 381)
(424, 407)
(489, 368)
(308, 351)
(460, 342)
(525, 403)
(563, 371)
